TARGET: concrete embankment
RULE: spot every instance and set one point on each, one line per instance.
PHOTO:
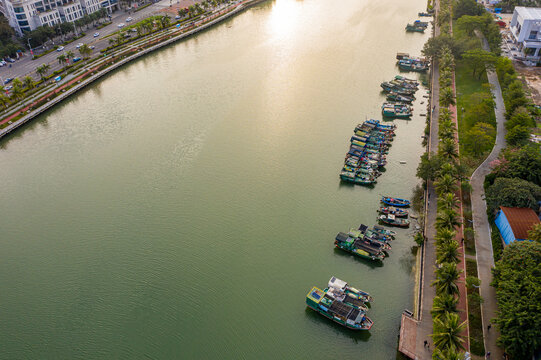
(49, 104)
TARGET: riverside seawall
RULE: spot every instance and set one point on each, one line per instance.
(50, 104)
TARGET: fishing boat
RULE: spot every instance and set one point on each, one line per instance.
(396, 110)
(424, 14)
(393, 96)
(409, 65)
(391, 210)
(395, 201)
(400, 56)
(341, 303)
(414, 28)
(390, 87)
(407, 80)
(394, 221)
(382, 230)
(357, 247)
(373, 242)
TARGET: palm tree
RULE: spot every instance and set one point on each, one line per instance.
(85, 50)
(70, 55)
(445, 184)
(443, 304)
(444, 236)
(445, 114)
(447, 253)
(448, 149)
(446, 129)
(447, 219)
(447, 331)
(17, 92)
(42, 70)
(28, 82)
(164, 21)
(17, 82)
(446, 279)
(447, 169)
(139, 29)
(447, 97)
(446, 355)
(4, 101)
(447, 201)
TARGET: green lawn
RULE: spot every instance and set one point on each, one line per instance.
(477, 346)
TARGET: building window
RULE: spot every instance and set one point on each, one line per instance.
(21, 17)
(533, 35)
(18, 9)
(23, 23)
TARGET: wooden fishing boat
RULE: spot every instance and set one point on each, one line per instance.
(414, 28)
(391, 220)
(341, 303)
(395, 201)
(409, 65)
(358, 247)
(382, 230)
(391, 210)
(392, 96)
(396, 110)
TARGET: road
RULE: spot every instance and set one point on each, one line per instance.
(26, 66)
(483, 243)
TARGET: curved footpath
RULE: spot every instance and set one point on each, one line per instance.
(483, 243)
(8, 129)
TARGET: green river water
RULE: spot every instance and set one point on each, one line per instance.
(183, 206)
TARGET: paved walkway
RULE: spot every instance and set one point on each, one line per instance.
(424, 327)
(483, 244)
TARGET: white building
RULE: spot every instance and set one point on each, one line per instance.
(26, 15)
(526, 29)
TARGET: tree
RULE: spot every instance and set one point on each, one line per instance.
(479, 139)
(436, 45)
(70, 55)
(61, 59)
(443, 304)
(446, 279)
(534, 233)
(444, 236)
(447, 201)
(514, 97)
(448, 150)
(42, 70)
(478, 60)
(521, 117)
(4, 101)
(518, 136)
(447, 331)
(28, 82)
(428, 167)
(468, 24)
(445, 184)
(447, 97)
(517, 280)
(446, 355)
(85, 50)
(525, 164)
(467, 7)
(512, 192)
(164, 21)
(17, 92)
(447, 253)
(448, 219)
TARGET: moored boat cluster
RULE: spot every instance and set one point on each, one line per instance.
(367, 152)
(401, 91)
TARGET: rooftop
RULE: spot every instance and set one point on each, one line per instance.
(529, 13)
(521, 220)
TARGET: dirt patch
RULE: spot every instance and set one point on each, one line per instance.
(532, 77)
(177, 5)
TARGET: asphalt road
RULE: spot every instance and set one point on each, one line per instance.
(26, 66)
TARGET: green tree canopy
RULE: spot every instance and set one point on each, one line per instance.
(517, 279)
(428, 168)
(467, 7)
(478, 60)
(534, 233)
(518, 136)
(479, 139)
(512, 192)
(524, 163)
(521, 117)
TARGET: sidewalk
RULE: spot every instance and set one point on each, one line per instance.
(483, 243)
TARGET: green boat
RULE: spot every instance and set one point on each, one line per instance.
(358, 247)
(342, 304)
(414, 28)
(396, 110)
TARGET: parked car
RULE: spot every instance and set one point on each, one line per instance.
(91, 47)
(177, 17)
(96, 34)
(60, 48)
(129, 19)
(10, 60)
(9, 87)
(7, 81)
(2, 63)
(75, 59)
(79, 45)
(121, 25)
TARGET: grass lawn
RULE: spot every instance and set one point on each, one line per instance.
(477, 346)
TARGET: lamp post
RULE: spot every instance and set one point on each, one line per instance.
(30, 47)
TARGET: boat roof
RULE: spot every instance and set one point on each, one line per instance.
(337, 283)
(315, 295)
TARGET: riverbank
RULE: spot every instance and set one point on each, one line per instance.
(80, 82)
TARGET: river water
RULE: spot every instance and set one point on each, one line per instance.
(183, 206)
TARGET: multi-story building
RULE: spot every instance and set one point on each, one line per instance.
(526, 29)
(26, 15)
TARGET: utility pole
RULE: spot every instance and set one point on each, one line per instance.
(30, 47)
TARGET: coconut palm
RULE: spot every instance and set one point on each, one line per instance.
(445, 184)
(446, 279)
(164, 21)
(446, 355)
(447, 169)
(446, 129)
(443, 304)
(17, 92)
(17, 82)
(448, 219)
(447, 331)
(447, 97)
(42, 70)
(85, 50)
(4, 101)
(28, 82)
(447, 253)
(139, 29)
(447, 201)
(70, 55)
(445, 114)
(444, 236)
(448, 149)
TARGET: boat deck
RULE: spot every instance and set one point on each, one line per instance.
(340, 309)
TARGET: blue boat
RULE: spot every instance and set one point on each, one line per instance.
(395, 201)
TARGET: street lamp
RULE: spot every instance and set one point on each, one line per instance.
(30, 47)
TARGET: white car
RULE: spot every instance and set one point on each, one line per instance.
(91, 47)
(177, 17)
(96, 34)
(60, 48)
(129, 19)
(121, 25)
(79, 45)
